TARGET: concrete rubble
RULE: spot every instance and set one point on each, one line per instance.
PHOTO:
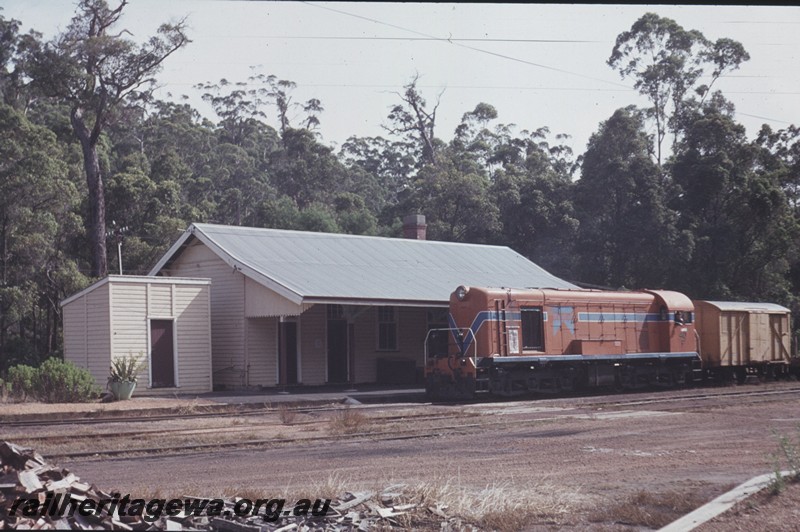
(25, 474)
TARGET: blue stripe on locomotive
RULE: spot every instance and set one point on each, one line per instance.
(464, 342)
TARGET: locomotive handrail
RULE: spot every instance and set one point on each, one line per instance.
(451, 330)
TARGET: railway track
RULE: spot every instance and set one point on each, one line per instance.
(121, 418)
(249, 426)
(463, 424)
(702, 397)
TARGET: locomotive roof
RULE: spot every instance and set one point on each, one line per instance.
(308, 267)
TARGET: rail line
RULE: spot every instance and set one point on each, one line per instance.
(250, 426)
(121, 418)
(483, 422)
(700, 397)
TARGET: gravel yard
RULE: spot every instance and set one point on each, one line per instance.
(623, 462)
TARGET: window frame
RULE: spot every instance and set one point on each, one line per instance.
(384, 326)
(525, 329)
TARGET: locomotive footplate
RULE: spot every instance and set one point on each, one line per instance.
(510, 376)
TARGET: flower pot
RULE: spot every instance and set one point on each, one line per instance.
(122, 390)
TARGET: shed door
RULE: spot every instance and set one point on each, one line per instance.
(162, 354)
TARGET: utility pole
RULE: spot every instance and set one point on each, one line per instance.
(118, 233)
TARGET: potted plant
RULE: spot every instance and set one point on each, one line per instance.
(124, 372)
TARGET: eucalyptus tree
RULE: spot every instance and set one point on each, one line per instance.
(37, 199)
(532, 187)
(382, 170)
(667, 62)
(734, 201)
(627, 234)
(415, 121)
(96, 71)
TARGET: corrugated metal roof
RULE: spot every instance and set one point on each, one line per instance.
(321, 266)
(747, 306)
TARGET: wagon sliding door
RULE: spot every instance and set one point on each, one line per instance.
(162, 354)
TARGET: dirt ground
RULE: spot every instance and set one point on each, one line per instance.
(622, 463)
(9, 409)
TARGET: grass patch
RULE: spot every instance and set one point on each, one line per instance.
(653, 510)
(348, 421)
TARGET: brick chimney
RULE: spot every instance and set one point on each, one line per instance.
(414, 227)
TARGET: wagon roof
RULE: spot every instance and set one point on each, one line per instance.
(746, 306)
(323, 267)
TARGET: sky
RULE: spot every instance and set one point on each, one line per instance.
(539, 65)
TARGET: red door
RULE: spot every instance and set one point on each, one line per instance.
(162, 355)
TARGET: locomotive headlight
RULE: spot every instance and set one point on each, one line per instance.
(461, 292)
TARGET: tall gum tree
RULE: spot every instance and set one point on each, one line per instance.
(96, 71)
(666, 62)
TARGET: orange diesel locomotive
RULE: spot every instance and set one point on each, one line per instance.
(509, 342)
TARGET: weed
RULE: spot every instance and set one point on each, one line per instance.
(348, 421)
(649, 509)
(788, 453)
(287, 415)
(499, 506)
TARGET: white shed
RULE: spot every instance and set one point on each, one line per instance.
(165, 319)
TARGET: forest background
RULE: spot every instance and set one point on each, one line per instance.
(671, 194)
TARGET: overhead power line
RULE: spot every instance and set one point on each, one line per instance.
(456, 43)
(377, 38)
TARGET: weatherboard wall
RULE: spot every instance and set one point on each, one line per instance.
(228, 334)
(87, 333)
(111, 319)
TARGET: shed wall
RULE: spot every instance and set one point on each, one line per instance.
(129, 327)
(87, 336)
(134, 304)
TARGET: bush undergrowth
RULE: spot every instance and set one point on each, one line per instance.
(55, 381)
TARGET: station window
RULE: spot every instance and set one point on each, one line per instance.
(387, 329)
(532, 329)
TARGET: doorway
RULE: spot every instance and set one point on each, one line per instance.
(288, 352)
(162, 354)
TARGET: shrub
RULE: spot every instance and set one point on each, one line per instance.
(64, 382)
(22, 382)
(56, 381)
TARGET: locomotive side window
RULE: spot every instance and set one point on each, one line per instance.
(682, 317)
(532, 329)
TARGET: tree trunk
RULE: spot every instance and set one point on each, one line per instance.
(97, 201)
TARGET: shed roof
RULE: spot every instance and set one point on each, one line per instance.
(743, 306)
(307, 267)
